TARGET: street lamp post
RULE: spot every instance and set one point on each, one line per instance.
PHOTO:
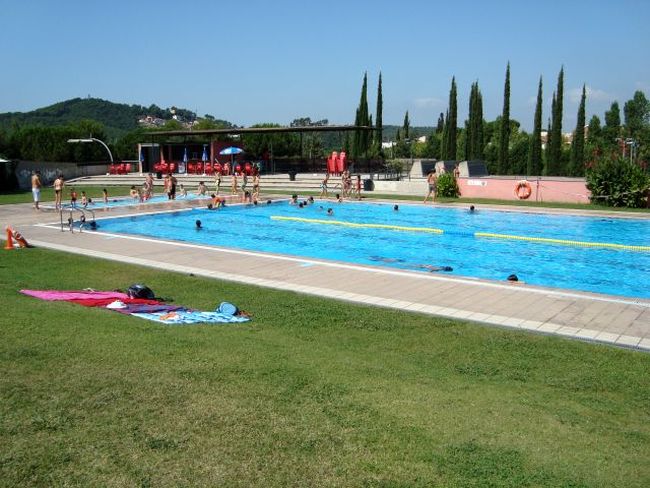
(92, 139)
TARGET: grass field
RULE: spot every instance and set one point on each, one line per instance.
(312, 392)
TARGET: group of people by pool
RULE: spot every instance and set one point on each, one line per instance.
(348, 189)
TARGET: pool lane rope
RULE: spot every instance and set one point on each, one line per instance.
(427, 230)
(488, 235)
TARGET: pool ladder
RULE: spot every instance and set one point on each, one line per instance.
(82, 218)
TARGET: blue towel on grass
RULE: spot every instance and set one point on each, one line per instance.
(181, 317)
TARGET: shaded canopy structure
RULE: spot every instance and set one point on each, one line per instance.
(170, 140)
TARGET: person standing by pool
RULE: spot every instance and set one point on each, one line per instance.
(105, 195)
(234, 189)
(73, 198)
(58, 188)
(148, 186)
(171, 193)
(432, 181)
(36, 188)
(244, 184)
(323, 186)
(256, 185)
(217, 181)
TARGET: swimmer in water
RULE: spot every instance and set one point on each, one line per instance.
(433, 269)
(198, 225)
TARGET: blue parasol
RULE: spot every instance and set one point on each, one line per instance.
(231, 150)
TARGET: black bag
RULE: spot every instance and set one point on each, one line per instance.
(140, 291)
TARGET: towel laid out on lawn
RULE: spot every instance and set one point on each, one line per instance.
(138, 307)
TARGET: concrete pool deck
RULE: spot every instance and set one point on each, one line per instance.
(599, 318)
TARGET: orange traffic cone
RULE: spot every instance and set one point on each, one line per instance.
(9, 244)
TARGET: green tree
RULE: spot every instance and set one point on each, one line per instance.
(280, 144)
(474, 138)
(445, 137)
(577, 166)
(535, 152)
(440, 126)
(406, 126)
(360, 143)
(637, 113)
(612, 129)
(379, 121)
(554, 161)
(504, 137)
(519, 149)
(452, 124)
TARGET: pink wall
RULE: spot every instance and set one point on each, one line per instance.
(566, 190)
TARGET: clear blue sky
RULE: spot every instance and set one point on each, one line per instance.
(272, 61)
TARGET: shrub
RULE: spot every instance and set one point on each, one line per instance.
(616, 182)
(447, 186)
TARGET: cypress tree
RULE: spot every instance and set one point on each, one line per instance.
(444, 141)
(535, 154)
(361, 137)
(479, 142)
(554, 163)
(469, 125)
(406, 127)
(504, 135)
(578, 145)
(476, 124)
(441, 123)
(379, 134)
(452, 123)
(356, 138)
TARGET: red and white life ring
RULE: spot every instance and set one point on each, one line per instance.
(523, 190)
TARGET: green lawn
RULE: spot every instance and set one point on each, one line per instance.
(312, 392)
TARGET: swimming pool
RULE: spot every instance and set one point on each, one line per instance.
(603, 255)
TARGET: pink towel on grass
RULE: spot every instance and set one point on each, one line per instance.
(74, 295)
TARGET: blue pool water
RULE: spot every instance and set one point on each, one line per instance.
(602, 270)
(98, 203)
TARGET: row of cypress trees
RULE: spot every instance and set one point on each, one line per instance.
(366, 143)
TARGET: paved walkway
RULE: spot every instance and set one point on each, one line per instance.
(586, 316)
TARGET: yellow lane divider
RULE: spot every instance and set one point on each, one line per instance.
(428, 230)
(432, 230)
(546, 240)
